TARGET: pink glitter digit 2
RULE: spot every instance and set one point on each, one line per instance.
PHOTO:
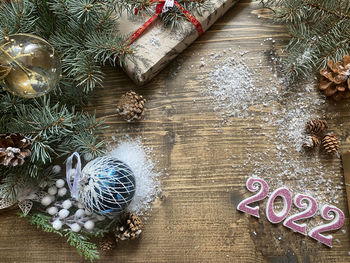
(306, 202)
(253, 186)
(271, 215)
(328, 212)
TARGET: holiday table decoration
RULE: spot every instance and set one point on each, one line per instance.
(160, 32)
(105, 186)
(335, 79)
(327, 212)
(131, 106)
(31, 67)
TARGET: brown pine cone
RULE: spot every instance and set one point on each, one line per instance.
(335, 80)
(316, 126)
(14, 148)
(108, 243)
(131, 106)
(129, 228)
(330, 143)
(311, 142)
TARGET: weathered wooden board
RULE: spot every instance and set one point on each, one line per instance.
(195, 220)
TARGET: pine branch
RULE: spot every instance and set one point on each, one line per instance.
(41, 221)
(317, 33)
(81, 243)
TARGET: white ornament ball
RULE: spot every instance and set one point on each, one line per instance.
(52, 190)
(60, 183)
(52, 210)
(67, 204)
(46, 200)
(57, 224)
(56, 169)
(75, 227)
(63, 213)
(89, 225)
(79, 213)
(62, 192)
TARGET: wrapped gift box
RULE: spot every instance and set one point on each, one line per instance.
(158, 45)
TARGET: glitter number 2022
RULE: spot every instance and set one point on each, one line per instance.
(306, 202)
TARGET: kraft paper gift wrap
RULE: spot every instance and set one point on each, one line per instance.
(158, 44)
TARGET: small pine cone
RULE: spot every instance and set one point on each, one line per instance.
(316, 126)
(311, 142)
(108, 243)
(14, 148)
(330, 143)
(131, 106)
(129, 228)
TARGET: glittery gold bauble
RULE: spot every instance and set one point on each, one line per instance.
(29, 66)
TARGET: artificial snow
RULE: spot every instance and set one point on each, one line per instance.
(236, 92)
(134, 154)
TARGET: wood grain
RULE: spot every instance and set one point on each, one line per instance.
(195, 220)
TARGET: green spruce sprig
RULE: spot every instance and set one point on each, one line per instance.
(81, 242)
(318, 31)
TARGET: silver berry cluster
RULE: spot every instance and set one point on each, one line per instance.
(67, 211)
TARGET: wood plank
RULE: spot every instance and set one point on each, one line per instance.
(196, 220)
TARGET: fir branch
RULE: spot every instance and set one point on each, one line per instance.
(41, 221)
(317, 33)
(81, 243)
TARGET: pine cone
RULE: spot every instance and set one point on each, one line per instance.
(131, 106)
(130, 227)
(330, 143)
(335, 80)
(311, 142)
(316, 126)
(14, 148)
(108, 243)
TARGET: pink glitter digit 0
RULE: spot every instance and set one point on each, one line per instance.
(328, 212)
(271, 215)
(253, 185)
(306, 202)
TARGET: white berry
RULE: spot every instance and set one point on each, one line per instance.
(89, 225)
(67, 204)
(46, 200)
(63, 213)
(62, 192)
(56, 169)
(75, 227)
(100, 218)
(52, 210)
(80, 205)
(60, 183)
(88, 157)
(79, 213)
(52, 190)
(87, 212)
(57, 224)
(52, 198)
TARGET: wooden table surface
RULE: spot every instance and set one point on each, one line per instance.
(196, 220)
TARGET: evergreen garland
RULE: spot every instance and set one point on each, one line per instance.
(318, 31)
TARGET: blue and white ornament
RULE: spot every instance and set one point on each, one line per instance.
(106, 185)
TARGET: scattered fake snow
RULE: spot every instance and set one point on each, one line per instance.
(134, 154)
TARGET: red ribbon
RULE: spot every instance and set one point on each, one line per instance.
(159, 9)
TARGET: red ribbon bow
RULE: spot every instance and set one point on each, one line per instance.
(159, 9)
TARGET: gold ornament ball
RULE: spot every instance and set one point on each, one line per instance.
(29, 66)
